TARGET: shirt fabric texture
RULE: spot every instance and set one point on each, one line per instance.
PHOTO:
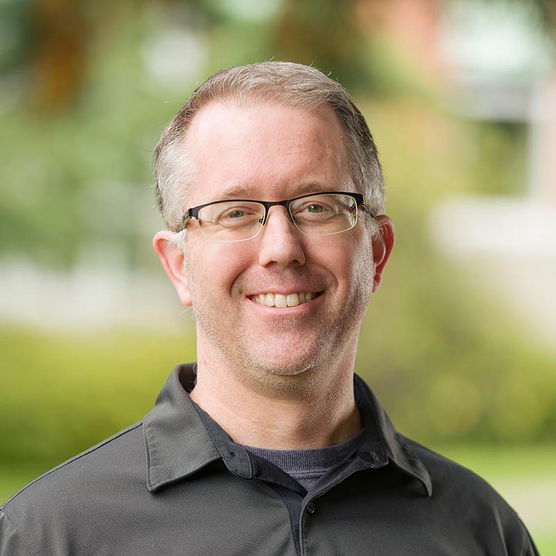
(175, 483)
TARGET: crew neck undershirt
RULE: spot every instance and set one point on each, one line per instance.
(308, 466)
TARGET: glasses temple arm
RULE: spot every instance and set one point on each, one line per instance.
(366, 205)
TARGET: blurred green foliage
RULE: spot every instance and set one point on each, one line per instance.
(449, 362)
(505, 142)
(62, 394)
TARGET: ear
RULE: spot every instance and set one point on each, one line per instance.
(383, 243)
(173, 259)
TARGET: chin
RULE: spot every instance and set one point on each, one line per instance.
(283, 364)
(288, 355)
(294, 369)
(283, 372)
(282, 351)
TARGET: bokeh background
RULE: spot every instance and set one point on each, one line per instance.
(459, 342)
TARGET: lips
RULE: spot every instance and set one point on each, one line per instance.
(279, 300)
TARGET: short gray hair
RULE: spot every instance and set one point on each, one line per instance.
(287, 83)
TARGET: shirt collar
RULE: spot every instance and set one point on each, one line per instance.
(391, 444)
(178, 441)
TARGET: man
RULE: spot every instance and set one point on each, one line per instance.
(270, 185)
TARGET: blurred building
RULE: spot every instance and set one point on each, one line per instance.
(502, 70)
(499, 66)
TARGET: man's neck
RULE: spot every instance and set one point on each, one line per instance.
(311, 417)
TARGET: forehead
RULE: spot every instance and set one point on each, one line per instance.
(264, 150)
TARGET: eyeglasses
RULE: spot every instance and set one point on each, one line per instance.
(319, 214)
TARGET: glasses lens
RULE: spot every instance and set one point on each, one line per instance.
(231, 220)
(328, 213)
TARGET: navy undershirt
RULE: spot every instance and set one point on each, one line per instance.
(308, 466)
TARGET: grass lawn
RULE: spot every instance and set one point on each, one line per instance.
(525, 476)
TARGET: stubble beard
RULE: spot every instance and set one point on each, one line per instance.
(335, 343)
(293, 373)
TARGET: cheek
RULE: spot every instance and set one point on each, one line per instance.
(361, 267)
(212, 269)
(364, 276)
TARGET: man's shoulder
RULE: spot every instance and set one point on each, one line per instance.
(464, 507)
(443, 468)
(80, 495)
(459, 485)
(72, 480)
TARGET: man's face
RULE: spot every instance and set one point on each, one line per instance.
(273, 152)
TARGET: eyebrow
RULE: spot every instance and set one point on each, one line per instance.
(245, 191)
(236, 192)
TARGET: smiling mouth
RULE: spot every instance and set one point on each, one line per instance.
(279, 300)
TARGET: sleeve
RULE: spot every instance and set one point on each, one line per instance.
(12, 542)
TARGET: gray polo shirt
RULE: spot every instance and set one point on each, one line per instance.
(175, 483)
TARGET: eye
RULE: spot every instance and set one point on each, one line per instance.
(314, 209)
(234, 213)
(237, 215)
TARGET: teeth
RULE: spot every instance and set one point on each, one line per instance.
(279, 300)
(292, 299)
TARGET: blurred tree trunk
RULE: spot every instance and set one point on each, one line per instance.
(58, 53)
(323, 33)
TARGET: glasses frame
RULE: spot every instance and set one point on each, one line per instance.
(360, 201)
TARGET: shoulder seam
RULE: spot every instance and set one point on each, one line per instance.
(30, 545)
(75, 458)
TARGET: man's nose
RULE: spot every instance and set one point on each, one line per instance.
(280, 240)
